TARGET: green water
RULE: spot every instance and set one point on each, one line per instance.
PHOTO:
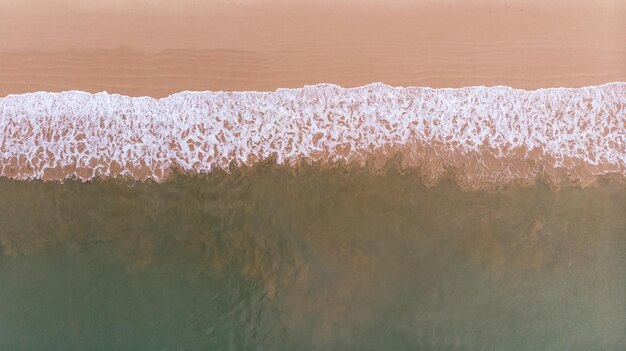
(277, 259)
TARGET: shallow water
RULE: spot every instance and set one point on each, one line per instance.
(283, 259)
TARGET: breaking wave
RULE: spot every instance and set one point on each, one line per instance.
(481, 136)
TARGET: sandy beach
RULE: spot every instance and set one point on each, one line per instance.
(157, 48)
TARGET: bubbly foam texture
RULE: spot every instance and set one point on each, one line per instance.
(480, 136)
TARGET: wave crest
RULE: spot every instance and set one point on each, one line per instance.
(486, 135)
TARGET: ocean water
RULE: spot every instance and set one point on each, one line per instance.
(282, 258)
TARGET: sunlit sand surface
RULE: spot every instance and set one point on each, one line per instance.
(158, 48)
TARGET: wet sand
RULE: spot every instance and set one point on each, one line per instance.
(141, 48)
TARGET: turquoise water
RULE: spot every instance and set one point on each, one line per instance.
(309, 259)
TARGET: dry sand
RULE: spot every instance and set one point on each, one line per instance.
(157, 48)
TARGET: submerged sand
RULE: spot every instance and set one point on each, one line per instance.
(317, 260)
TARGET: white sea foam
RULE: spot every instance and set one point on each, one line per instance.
(201, 131)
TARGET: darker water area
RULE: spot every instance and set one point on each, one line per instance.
(339, 259)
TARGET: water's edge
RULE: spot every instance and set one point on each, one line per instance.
(481, 137)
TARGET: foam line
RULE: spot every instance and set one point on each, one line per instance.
(482, 135)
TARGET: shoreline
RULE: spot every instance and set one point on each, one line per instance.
(486, 137)
(316, 85)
